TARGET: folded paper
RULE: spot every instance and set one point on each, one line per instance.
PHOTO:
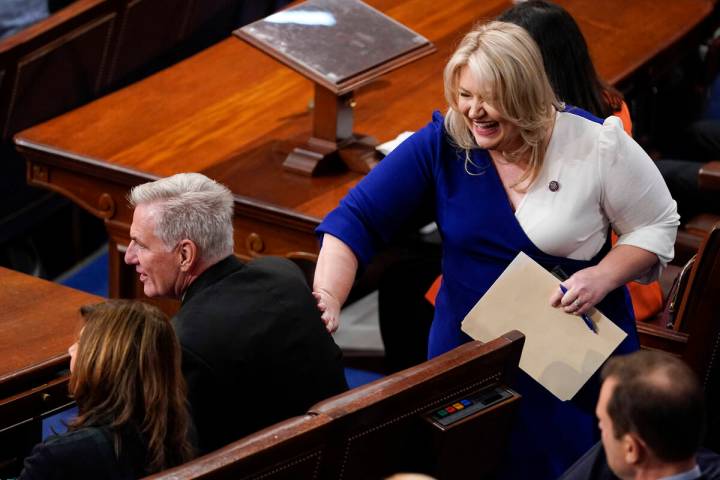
(560, 351)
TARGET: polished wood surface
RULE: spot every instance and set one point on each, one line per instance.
(228, 112)
(39, 320)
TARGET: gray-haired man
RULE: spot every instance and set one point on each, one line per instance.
(255, 350)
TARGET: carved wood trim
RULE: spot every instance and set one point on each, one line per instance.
(39, 175)
(255, 244)
(81, 165)
(106, 205)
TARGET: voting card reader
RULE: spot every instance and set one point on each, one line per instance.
(465, 407)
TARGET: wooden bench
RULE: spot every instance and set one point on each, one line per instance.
(387, 426)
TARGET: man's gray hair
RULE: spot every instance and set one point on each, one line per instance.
(190, 206)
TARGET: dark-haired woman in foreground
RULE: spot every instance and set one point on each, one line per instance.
(125, 377)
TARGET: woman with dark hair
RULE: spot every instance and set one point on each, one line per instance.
(565, 56)
(125, 377)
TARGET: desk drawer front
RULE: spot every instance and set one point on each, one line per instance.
(34, 404)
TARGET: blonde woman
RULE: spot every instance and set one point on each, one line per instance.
(125, 376)
(508, 169)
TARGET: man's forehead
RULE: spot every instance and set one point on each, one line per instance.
(606, 390)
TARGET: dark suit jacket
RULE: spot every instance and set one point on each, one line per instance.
(593, 466)
(85, 453)
(255, 350)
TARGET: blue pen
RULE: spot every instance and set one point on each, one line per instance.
(584, 316)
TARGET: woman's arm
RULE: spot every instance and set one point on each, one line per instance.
(640, 209)
(590, 285)
(372, 213)
(334, 277)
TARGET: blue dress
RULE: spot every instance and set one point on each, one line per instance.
(481, 236)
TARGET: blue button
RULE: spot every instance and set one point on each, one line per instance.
(467, 403)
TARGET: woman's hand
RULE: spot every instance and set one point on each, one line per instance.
(585, 289)
(334, 276)
(329, 307)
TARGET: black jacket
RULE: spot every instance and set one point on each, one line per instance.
(593, 466)
(255, 350)
(85, 453)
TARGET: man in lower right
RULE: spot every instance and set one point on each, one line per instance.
(651, 414)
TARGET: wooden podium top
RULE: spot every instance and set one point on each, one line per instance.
(339, 45)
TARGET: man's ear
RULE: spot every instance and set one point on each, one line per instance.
(634, 449)
(188, 252)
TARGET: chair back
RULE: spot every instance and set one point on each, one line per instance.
(54, 65)
(699, 316)
(699, 311)
(92, 47)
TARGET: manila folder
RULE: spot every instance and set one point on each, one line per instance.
(561, 352)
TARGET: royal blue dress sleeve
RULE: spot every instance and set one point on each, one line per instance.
(377, 207)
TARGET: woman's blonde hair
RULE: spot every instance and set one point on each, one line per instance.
(507, 63)
(127, 374)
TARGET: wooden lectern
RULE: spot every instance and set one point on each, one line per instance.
(340, 45)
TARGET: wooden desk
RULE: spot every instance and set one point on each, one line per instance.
(39, 320)
(225, 112)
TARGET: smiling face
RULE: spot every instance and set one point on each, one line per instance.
(490, 129)
(157, 265)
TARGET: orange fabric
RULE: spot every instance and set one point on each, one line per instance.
(432, 292)
(624, 116)
(647, 300)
